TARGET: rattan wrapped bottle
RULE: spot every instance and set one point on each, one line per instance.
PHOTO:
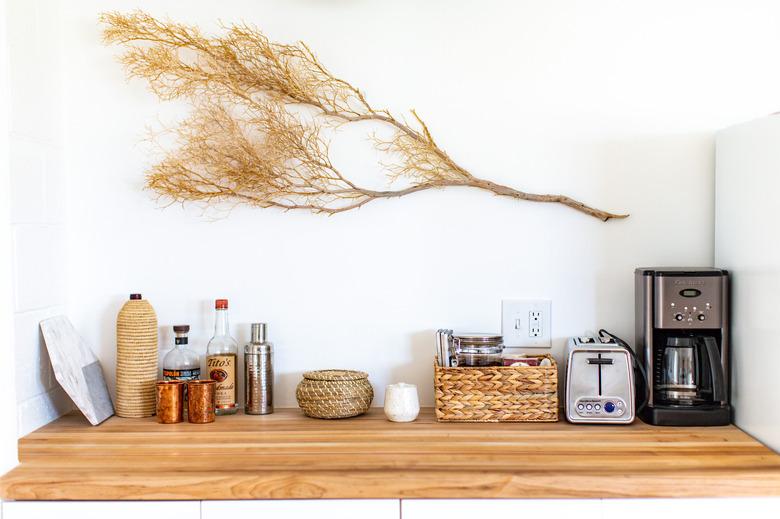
(136, 359)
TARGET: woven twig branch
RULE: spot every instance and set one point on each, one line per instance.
(246, 140)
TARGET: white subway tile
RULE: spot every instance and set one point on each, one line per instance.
(28, 182)
(39, 410)
(39, 253)
(34, 68)
(55, 187)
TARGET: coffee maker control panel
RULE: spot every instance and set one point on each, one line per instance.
(688, 302)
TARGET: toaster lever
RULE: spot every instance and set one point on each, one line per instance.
(599, 361)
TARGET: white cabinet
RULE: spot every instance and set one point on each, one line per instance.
(303, 509)
(509, 508)
(711, 508)
(747, 161)
(100, 509)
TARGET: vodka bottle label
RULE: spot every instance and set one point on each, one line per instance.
(222, 368)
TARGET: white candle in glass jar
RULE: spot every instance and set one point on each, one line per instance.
(401, 402)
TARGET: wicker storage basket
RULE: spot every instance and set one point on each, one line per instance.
(334, 393)
(497, 393)
(136, 359)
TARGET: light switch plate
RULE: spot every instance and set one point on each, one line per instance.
(526, 323)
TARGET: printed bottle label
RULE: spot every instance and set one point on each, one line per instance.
(181, 374)
(222, 368)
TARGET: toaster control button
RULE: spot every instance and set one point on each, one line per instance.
(588, 407)
(597, 407)
(678, 317)
(609, 407)
(580, 407)
(701, 317)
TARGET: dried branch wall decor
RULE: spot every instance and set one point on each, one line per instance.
(246, 140)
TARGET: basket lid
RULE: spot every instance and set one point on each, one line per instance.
(335, 374)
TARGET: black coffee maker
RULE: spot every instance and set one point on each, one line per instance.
(682, 340)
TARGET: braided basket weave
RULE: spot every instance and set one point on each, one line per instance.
(334, 393)
(136, 359)
(497, 393)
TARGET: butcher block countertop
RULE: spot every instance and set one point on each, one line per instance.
(285, 455)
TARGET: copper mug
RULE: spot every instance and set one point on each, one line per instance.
(170, 401)
(201, 401)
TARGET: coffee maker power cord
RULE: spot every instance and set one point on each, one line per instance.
(638, 367)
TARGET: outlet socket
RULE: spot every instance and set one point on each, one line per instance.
(526, 323)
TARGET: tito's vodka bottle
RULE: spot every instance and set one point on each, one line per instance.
(221, 358)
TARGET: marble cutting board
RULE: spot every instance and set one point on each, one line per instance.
(77, 369)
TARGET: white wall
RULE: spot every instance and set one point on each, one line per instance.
(37, 196)
(614, 103)
(748, 159)
(7, 383)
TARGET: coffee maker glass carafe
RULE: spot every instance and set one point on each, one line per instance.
(692, 373)
(679, 370)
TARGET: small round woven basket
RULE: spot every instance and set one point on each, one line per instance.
(334, 393)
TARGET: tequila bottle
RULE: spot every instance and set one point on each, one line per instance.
(181, 363)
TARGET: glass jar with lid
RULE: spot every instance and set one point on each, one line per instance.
(475, 350)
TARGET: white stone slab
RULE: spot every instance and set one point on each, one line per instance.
(77, 369)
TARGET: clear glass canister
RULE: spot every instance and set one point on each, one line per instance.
(478, 349)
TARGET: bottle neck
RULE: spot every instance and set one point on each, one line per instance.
(221, 323)
(181, 340)
(259, 332)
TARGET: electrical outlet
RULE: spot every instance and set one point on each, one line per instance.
(534, 323)
(526, 323)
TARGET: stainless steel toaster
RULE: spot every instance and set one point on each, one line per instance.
(599, 382)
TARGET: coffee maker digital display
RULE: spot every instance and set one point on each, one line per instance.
(682, 340)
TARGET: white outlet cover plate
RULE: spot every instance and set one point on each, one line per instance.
(515, 323)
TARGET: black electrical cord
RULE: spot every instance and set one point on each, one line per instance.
(638, 366)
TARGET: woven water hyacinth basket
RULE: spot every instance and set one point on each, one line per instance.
(497, 393)
(136, 359)
(334, 393)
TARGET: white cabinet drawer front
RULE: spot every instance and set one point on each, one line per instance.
(303, 509)
(485, 508)
(101, 509)
(709, 508)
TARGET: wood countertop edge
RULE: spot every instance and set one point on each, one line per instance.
(288, 456)
(30, 483)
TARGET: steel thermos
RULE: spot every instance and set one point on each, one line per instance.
(258, 372)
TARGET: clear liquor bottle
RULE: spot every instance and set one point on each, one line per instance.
(181, 363)
(221, 356)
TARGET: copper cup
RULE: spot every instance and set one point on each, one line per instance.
(201, 400)
(170, 401)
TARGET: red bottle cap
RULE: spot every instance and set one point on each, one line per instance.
(135, 296)
(221, 304)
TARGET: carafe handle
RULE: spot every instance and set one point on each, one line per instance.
(716, 368)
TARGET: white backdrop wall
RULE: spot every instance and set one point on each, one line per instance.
(37, 203)
(614, 103)
(7, 383)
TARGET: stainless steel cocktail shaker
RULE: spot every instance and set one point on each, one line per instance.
(258, 372)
